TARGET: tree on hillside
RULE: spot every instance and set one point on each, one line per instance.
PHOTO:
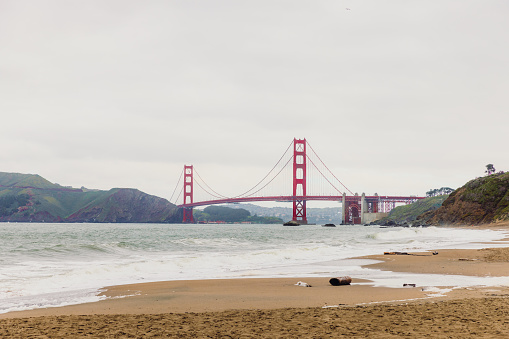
(490, 169)
(439, 191)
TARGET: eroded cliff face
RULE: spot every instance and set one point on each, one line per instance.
(127, 205)
(482, 200)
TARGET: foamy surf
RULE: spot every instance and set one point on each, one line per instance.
(48, 265)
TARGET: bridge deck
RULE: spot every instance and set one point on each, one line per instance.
(290, 198)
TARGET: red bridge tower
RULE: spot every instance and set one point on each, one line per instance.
(188, 194)
(299, 181)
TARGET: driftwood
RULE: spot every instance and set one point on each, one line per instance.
(340, 281)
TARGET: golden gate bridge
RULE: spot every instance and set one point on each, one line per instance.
(304, 174)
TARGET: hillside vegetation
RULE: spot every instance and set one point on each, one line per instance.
(229, 215)
(482, 200)
(31, 198)
(25, 180)
(409, 214)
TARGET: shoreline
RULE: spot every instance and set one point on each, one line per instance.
(239, 304)
(214, 295)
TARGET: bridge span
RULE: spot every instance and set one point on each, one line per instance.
(356, 209)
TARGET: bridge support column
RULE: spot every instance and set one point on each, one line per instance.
(364, 207)
(188, 194)
(299, 181)
(352, 209)
(343, 210)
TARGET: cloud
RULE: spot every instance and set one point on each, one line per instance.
(396, 97)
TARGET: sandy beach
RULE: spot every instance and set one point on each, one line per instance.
(247, 308)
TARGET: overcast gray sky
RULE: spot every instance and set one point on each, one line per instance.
(397, 97)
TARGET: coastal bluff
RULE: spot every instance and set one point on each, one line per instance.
(31, 198)
(482, 200)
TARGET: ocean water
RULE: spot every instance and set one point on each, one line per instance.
(48, 265)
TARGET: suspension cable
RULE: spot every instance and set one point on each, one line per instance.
(328, 168)
(181, 190)
(215, 196)
(177, 186)
(219, 195)
(282, 168)
(259, 182)
(324, 175)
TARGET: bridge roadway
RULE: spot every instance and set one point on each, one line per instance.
(290, 198)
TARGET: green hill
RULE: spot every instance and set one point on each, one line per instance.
(127, 205)
(231, 215)
(409, 214)
(25, 180)
(31, 198)
(482, 200)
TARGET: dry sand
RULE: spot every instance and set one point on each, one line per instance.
(464, 318)
(486, 262)
(248, 308)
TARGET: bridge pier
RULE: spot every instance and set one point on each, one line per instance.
(371, 212)
(187, 217)
(351, 210)
(360, 210)
(364, 207)
(343, 209)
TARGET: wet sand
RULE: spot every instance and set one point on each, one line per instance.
(221, 295)
(250, 308)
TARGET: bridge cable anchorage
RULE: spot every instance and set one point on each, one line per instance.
(180, 178)
(329, 169)
(205, 183)
(324, 176)
(259, 182)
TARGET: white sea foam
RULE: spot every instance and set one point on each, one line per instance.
(48, 265)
